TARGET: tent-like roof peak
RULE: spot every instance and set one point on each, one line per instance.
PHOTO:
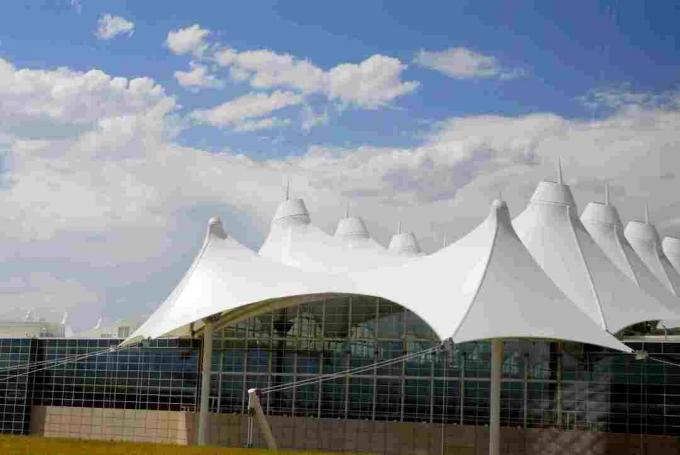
(291, 211)
(554, 193)
(485, 285)
(215, 227)
(646, 242)
(641, 231)
(352, 227)
(671, 246)
(404, 243)
(598, 212)
(563, 247)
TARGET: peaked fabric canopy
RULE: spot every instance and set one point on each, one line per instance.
(227, 277)
(485, 285)
(603, 223)
(293, 240)
(353, 232)
(645, 241)
(671, 248)
(551, 230)
(405, 244)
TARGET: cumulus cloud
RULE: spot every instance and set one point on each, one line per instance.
(72, 97)
(371, 83)
(197, 77)
(109, 27)
(462, 63)
(241, 109)
(117, 209)
(189, 40)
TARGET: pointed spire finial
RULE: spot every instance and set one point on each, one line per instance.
(347, 210)
(288, 189)
(500, 195)
(606, 193)
(559, 170)
(64, 319)
(444, 241)
(646, 213)
(399, 228)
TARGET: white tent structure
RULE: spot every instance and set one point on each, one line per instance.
(671, 248)
(556, 238)
(404, 244)
(645, 240)
(484, 286)
(487, 273)
(293, 240)
(603, 223)
(352, 231)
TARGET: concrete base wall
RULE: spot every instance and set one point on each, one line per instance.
(391, 438)
(113, 424)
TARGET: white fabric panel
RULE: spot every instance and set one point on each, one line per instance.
(645, 241)
(561, 245)
(604, 225)
(486, 285)
(671, 248)
(225, 276)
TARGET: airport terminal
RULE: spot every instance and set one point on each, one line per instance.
(551, 332)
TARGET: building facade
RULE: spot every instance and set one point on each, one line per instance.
(567, 386)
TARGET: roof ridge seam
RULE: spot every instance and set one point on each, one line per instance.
(585, 264)
(617, 235)
(481, 281)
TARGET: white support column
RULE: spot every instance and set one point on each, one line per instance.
(495, 398)
(206, 362)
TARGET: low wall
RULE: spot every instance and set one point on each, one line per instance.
(113, 424)
(391, 438)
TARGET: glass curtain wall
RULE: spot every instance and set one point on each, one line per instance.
(545, 384)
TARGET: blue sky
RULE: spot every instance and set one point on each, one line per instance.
(565, 50)
(125, 125)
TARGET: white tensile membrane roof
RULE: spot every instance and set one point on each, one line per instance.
(404, 244)
(604, 225)
(556, 238)
(671, 248)
(484, 286)
(644, 239)
(226, 277)
(293, 240)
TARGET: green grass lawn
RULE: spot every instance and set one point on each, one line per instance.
(27, 445)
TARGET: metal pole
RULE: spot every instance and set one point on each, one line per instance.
(461, 386)
(495, 398)
(205, 382)
(266, 431)
(526, 389)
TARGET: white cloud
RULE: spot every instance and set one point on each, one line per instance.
(252, 105)
(189, 40)
(197, 77)
(109, 27)
(73, 97)
(462, 63)
(371, 83)
(120, 209)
